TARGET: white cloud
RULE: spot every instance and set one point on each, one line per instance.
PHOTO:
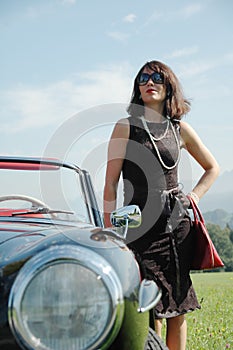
(185, 51)
(26, 107)
(130, 18)
(168, 16)
(31, 12)
(190, 10)
(119, 36)
(155, 16)
(211, 92)
(200, 80)
(193, 68)
(196, 67)
(69, 2)
(229, 57)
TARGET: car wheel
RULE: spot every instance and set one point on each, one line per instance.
(154, 342)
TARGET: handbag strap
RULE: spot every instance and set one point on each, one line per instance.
(196, 211)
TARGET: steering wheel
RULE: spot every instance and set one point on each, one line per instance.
(34, 201)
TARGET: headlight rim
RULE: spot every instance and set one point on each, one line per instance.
(80, 255)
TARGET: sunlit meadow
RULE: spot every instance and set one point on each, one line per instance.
(211, 328)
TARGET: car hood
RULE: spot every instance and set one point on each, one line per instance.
(9, 231)
(19, 240)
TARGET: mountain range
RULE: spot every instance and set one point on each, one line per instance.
(219, 217)
(217, 204)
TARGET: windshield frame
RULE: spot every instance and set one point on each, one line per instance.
(40, 164)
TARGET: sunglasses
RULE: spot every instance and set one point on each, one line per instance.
(156, 77)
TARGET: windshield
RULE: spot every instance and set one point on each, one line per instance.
(25, 188)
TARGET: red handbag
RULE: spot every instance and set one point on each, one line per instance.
(205, 254)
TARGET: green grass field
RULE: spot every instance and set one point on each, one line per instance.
(211, 328)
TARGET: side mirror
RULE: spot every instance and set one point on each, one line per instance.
(149, 295)
(126, 217)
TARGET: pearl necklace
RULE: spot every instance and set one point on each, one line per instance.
(153, 139)
(165, 133)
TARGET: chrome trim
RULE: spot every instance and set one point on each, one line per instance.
(95, 208)
(56, 255)
(46, 221)
(35, 160)
(126, 217)
(86, 196)
(149, 295)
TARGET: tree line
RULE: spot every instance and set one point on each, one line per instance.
(223, 241)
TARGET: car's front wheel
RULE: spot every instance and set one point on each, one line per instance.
(154, 342)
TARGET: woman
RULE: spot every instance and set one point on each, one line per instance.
(145, 148)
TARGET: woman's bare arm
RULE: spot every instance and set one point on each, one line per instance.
(116, 153)
(203, 156)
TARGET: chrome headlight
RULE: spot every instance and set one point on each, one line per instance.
(66, 297)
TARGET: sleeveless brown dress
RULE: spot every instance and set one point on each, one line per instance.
(163, 243)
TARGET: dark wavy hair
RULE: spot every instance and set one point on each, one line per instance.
(176, 105)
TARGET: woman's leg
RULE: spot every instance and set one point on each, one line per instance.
(158, 327)
(176, 333)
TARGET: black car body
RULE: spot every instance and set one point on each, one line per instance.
(65, 281)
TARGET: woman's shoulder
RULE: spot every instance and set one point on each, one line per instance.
(121, 129)
(188, 134)
(124, 127)
(186, 128)
(123, 121)
(128, 122)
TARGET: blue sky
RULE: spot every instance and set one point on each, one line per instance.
(62, 57)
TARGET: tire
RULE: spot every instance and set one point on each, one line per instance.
(154, 342)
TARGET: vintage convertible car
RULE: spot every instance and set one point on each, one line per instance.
(66, 282)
